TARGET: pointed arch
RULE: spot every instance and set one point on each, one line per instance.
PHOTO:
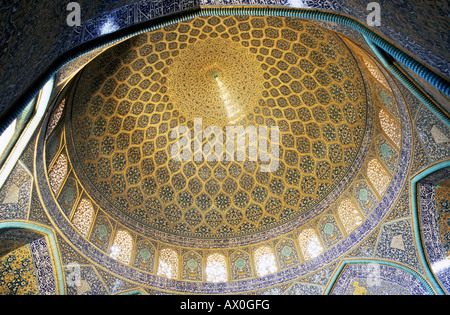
(265, 261)
(122, 247)
(57, 173)
(168, 263)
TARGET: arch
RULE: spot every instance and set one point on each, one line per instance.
(286, 253)
(122, 247)
(216, 268)
(168, 263)
(329, 230)
(310, 244)
(83, 217)
(265, 262)
(51, 240)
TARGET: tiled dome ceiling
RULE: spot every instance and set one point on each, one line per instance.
(247, 71)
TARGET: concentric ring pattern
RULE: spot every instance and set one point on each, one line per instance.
(227, 71)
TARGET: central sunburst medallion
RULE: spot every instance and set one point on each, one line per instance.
(217, 80)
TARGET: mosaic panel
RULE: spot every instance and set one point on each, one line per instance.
(329, 231)
(387, 99)
(240, 265)
(421, 159)
(303, 289)
(396, 243)
(43, 262)
(364, 197)
(145, 255)
(434, 135)
(386, 153)
(192, 267)
(287, 253)
(101, 232)
(68, 195)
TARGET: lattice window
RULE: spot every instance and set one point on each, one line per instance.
(55, 117)
(310, 244)
(391, 127)
(122, 247)
(168, 263)
(349, 215)
(376, 73)
(82, 219)
(265, 261)
(57, 173)
(378, 176)
(216, 268)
